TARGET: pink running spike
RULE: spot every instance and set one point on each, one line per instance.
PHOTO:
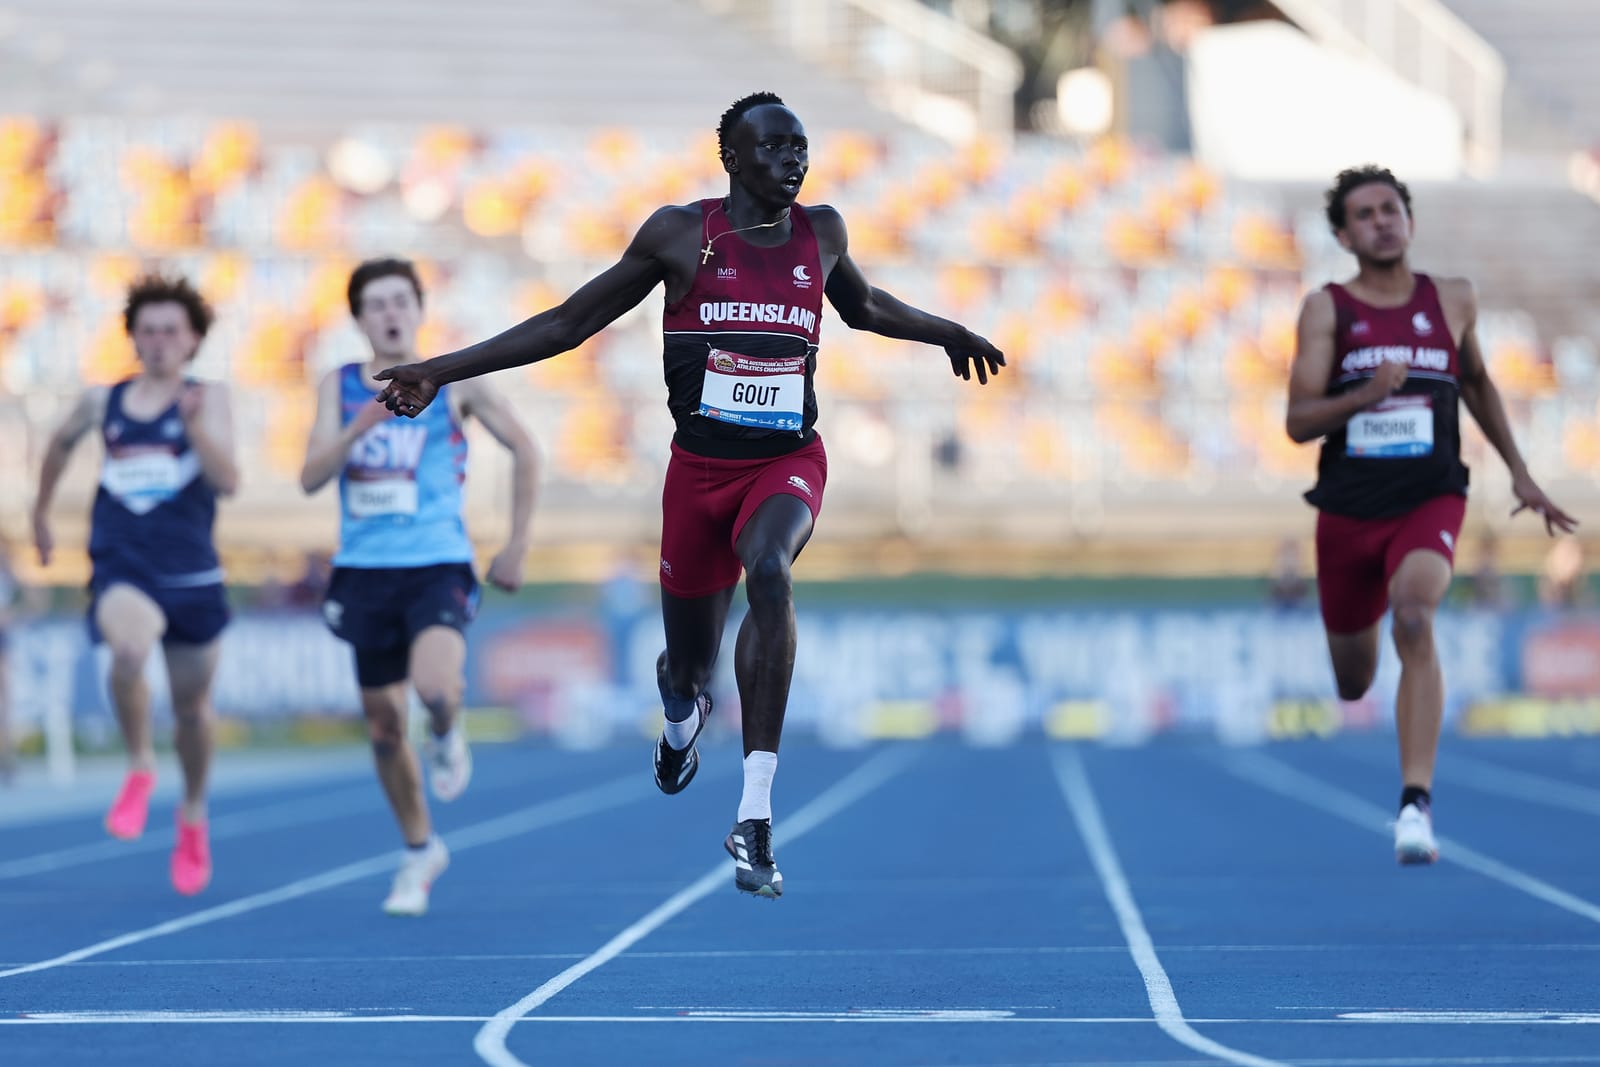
(128, 812)
(191, 858)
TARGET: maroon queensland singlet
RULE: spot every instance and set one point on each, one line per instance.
(740, 348)
(1394, 456)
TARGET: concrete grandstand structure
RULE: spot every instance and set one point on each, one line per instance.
(1147, 302)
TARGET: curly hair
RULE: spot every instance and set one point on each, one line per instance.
(372, 270)
(1354, 178)
(738, 110)
(160, 289)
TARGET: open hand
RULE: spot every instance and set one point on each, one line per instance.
(409, 389)
(1531, 498)
(975, 354)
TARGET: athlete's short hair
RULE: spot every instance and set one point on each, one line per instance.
(162, 289)
(373, 269)
(1354, 178)
(741, 107)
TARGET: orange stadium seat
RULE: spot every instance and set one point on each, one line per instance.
(1111, 277)
(229, 154)
(311, 219)
(109, 357)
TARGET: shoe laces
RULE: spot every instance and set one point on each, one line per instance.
(761, 843)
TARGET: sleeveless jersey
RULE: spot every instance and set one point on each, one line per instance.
(1391, 457)
(740, 348)
(154, 511)
(400, 490)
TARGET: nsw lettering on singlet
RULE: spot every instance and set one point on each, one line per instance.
(382, 471)
(400, 489)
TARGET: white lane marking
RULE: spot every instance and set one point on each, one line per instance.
(933, 1017)
(801, 953)
(237, 824)
(1075, 786)
(490, 1042)
(1277, 776)
(1521, 1018)
(524, 820)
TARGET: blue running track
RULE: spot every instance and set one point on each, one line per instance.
(1180, 903)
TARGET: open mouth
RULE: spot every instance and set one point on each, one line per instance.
(792, 182)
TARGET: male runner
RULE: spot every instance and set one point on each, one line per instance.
(169, 454)
(1380, 364)
(402, 589)
(744, 275)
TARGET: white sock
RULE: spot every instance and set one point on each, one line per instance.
(680, 734)
(756, 803)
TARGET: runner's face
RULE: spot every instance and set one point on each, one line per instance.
(769, 154)
(163, 339)
(390, 316)
(1377, 227)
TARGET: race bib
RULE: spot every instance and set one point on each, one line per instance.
(1399, 427)
(380, 496)
(764, 393)
(146, 472)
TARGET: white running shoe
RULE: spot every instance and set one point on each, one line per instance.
(418, 869)
(449, 763)
(1413, 836)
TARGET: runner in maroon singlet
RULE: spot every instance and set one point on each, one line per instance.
(744, 276)
(1381, 366)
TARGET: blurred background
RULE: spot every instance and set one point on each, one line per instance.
(1125, 195)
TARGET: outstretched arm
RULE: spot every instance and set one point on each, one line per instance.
(594, 306)
(1483, 401)
(85, 414)
(865, 307)
(1312, 412)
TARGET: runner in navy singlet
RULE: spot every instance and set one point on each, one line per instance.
(1382, 364)
(156, 577)
(744, 277)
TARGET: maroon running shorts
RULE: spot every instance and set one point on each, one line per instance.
(706, 502)
(1356, 558)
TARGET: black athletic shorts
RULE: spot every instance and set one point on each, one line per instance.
(195, 614)
(381, 610)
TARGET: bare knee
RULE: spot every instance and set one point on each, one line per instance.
(190, 713)
(128, 658)
(385, 731)
(439, 694)
(768, 581)
(1413, 628)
